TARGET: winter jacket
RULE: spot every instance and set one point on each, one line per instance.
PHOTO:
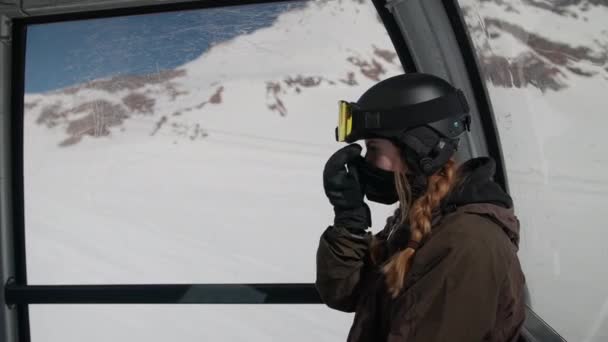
(465, 283)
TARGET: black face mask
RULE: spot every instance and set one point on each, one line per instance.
(379, 184)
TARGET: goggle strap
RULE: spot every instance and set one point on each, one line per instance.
(412, 116)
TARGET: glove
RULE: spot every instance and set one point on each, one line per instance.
(345, 191)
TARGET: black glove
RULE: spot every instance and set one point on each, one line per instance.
(344, 190)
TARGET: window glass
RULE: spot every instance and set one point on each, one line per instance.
(187, 323)
(546, 70)
(188, 147)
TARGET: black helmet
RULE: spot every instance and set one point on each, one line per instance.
(421, 113)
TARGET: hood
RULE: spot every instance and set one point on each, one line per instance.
(478, 193)
(477, 185)
(475, 193)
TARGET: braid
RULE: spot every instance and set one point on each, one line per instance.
(420, 218)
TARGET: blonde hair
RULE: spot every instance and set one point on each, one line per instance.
(419, 215)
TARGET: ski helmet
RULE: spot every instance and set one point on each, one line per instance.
(423, 114)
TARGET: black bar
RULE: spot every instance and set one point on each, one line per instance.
(144, 9)
(164, 294)
(19, 38)
(203, 294)
(539, 329)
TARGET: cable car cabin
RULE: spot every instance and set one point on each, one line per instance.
(163, 153)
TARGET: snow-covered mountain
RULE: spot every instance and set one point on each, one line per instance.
(322, 48)
(539, 43)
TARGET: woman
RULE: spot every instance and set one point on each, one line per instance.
(445, 266)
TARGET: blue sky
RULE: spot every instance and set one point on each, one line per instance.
(67, 53)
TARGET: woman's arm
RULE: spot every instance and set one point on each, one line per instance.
(341, 260)
(343, 246)
(344, 264)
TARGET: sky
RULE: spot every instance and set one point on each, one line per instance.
(67, 53)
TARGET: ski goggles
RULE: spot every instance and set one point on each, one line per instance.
(345, 121)
(448, 114)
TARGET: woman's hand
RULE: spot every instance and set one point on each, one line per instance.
(344, 189)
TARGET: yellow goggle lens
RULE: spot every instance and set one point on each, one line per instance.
(345, 121)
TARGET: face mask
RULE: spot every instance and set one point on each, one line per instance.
(379, 184)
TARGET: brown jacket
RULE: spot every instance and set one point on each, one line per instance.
(465, 283)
